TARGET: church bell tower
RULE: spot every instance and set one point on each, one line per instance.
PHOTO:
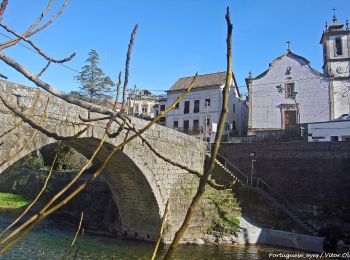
(336, 63)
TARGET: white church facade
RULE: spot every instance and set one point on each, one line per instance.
(290, 91)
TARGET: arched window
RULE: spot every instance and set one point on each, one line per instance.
(338, 46)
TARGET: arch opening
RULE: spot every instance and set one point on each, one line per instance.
(135, 213)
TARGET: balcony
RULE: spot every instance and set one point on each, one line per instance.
(190, 131)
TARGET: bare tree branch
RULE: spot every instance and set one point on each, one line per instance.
(44, 69)
(30, 139)
(52, 18)
(118, 91)
(34, 201)
(40, 17)
(38, 127)
(128, 55)
(29, 32)
(3, 76)
(161, 231)
(18, 124)
(93, 119)
(76, 234)
(3, 8)
(29, 75)
(209, 169)
(211, 182)
(43, 54)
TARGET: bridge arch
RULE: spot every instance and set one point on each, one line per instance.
(140, 181)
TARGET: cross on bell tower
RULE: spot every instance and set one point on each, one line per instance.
(335, 20)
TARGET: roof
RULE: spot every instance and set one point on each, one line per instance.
(292, 55)
(335, 29)
(109, 103)
(206, 80)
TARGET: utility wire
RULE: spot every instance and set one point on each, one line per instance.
(34, 51)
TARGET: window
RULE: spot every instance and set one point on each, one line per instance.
(334, 138)
(177, 106)
(144, 109)
(157, 112)
(162, 107)
(289, 90)
(176, 124)
(207, 102)
(136, 108)
(196, 106)
(233, 125)
(162, 121)
(338, 46)
(187, 107)
(195, 124)
(234, 108)
(186, 125)
(208, 121)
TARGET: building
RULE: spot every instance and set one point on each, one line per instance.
(199, 112)
(334, 130)
(140, 103)
(159, 107)
(291, 92)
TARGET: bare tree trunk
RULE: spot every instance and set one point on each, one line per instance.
(128, 55)
(203, 181)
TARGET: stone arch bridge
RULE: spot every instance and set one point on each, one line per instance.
(140, 182)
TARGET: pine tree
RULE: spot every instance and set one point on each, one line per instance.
(95, 85)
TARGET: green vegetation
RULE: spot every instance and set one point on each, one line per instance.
(227, 221)
(9, 200)
(32, 161)
(225, 225)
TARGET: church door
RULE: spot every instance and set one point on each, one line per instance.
(290, 118)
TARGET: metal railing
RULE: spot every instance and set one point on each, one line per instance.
(257, 182)
(190, 131)
(260, 183)
(233, 169)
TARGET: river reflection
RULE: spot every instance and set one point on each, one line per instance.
(52, 243)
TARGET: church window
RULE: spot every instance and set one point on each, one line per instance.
(338, 46)
(289, 90)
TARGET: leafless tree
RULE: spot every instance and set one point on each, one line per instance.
(113, 117)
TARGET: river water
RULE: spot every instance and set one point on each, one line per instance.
(52, 243)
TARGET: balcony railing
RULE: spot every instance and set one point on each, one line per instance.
(190, 131)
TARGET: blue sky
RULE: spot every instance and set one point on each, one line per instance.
(175, 38)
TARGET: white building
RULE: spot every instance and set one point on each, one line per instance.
(335, 130)
(290, 91)
(198, 113)
(141, 103)
(159, 107)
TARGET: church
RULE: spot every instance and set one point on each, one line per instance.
(290, 91)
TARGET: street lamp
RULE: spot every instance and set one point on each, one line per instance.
(252, 155)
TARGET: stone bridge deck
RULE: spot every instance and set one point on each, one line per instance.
(141, 182)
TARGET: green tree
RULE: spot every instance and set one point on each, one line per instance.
(95, 85)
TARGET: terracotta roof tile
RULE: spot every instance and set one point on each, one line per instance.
(212, 79)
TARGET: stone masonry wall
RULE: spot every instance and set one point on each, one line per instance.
(315, 177)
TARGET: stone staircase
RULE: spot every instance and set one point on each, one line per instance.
(265, 191)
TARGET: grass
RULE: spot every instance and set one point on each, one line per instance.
(12, 201)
